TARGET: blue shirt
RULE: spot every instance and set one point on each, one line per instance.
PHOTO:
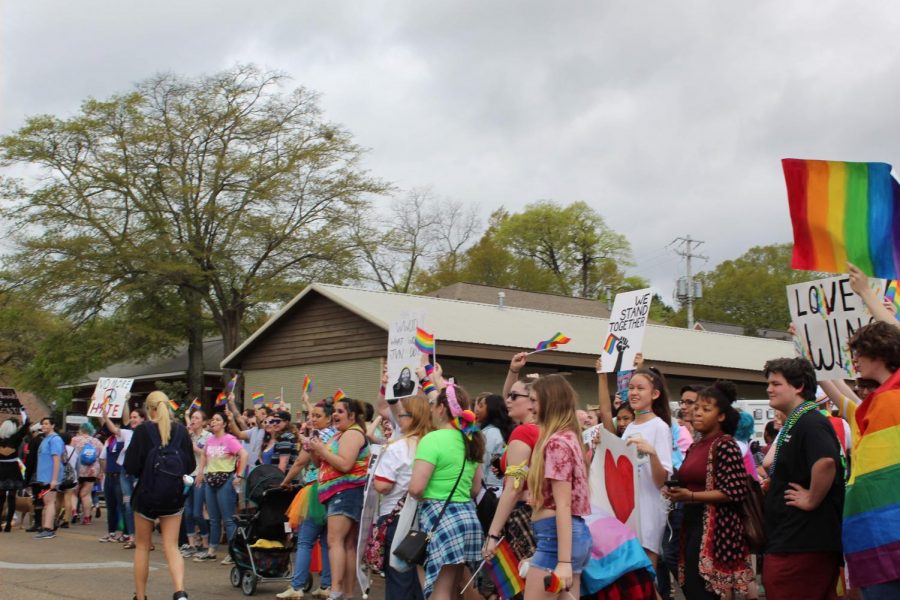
(677, 456)
(51, 446)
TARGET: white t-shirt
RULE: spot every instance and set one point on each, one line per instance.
(651, 503)
(72, 457)
(395, 465)
(493, 446)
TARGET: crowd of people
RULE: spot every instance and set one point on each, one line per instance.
(474, 474)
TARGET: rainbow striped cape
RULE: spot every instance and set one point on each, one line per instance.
(871, 532)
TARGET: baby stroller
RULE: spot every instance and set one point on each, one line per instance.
(261, 548)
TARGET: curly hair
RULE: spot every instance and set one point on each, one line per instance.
(878, 341)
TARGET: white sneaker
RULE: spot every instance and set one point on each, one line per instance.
(321, 593)
(227, 560)
(290, 593)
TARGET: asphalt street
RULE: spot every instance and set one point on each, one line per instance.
(75, 565)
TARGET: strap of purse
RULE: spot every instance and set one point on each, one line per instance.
(453, 491)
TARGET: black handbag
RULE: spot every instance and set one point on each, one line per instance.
(414, 547)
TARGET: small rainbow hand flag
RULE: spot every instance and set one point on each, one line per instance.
(307, 384)
(229, 387)
(552, 343)
(221, 399)
(195, 404)
(843, 211)
(556, 584)
(424, 341)
(173, 405)
(504, 571)
(258, 398)
(338, 396)
(610, 345)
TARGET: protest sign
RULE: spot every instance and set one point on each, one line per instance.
(112, 392)
(826, 313)
(613, 479)
(627, 322)
(403, 355)
(9, 404)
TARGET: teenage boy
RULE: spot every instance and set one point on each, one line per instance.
(871, 536)
(49, 474)
(806, 493)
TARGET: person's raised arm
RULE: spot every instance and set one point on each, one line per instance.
(238, 416)
(241, 434)
(603, 398)
(859, 282)
(113, 429)
(840, 394)
(515, 366)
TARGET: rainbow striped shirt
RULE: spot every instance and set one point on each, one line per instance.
(871, 532)
(332, 481)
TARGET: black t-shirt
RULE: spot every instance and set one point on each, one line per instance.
(788, 528)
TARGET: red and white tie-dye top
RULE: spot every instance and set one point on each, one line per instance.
(564, 461)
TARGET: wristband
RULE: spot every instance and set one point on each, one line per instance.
(428, 387)
(494, 537)
(566, 562)
(429, 369)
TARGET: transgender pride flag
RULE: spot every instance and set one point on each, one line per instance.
(615, 551)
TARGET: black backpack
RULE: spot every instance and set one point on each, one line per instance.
(161, 484)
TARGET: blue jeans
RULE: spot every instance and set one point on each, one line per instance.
(309, 532)
(221, 503)
(398, 584)
(882, 591)
(547, 544)
(128, 482)
(193, 511)
(112, 491)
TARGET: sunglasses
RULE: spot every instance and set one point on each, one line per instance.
(272, 421)
(401, 415)
(515, 396)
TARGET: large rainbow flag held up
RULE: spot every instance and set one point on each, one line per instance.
(844, 211)
(871, 532)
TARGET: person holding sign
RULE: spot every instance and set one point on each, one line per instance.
(652, 435)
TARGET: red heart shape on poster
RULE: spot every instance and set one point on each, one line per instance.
(619, 479)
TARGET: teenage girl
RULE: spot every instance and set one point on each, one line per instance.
(651, 434)
(559, 480)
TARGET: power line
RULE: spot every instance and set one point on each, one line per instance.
(686, 248)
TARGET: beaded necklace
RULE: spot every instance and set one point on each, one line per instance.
(792, 419)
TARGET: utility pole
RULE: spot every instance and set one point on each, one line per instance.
(687, 290)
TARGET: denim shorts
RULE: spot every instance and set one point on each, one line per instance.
(545, 556)
(348, 503)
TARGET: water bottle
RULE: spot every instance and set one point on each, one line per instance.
(188, 482)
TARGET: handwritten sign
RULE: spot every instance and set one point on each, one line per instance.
(9, 404)
(613, 479)
(403, 356)
(627, 323)
(826, 314)
(111, 392)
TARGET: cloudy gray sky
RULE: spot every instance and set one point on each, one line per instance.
(669, 117)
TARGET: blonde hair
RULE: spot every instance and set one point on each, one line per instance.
(419, 416)
(557, 402)
(157, 405)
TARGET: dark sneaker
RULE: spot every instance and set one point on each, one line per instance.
(204, 557)
(45, 535)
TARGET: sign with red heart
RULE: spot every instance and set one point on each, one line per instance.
(613, 479)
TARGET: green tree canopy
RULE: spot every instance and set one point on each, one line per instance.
(750, 290)
(224, 190)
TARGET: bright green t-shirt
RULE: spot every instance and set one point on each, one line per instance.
(445, 450)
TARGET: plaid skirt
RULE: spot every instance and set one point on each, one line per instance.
(457, 539)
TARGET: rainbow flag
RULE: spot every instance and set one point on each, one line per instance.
(338, 396)
(553, 342)
(871, 532)
(173, 405)
(503, 569)
(610, 346)
(229, 387)
(221, 399)
(424, 341)
(258, 398)
(196, 404)
(555, 586)
(844, 211)
(307, 384)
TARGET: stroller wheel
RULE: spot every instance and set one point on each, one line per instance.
(248, 583)
(235, 576)
(309, 583)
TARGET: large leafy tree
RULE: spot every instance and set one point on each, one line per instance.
(750, 290)
(224, 192)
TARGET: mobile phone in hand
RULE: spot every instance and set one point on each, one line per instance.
(672, 483)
